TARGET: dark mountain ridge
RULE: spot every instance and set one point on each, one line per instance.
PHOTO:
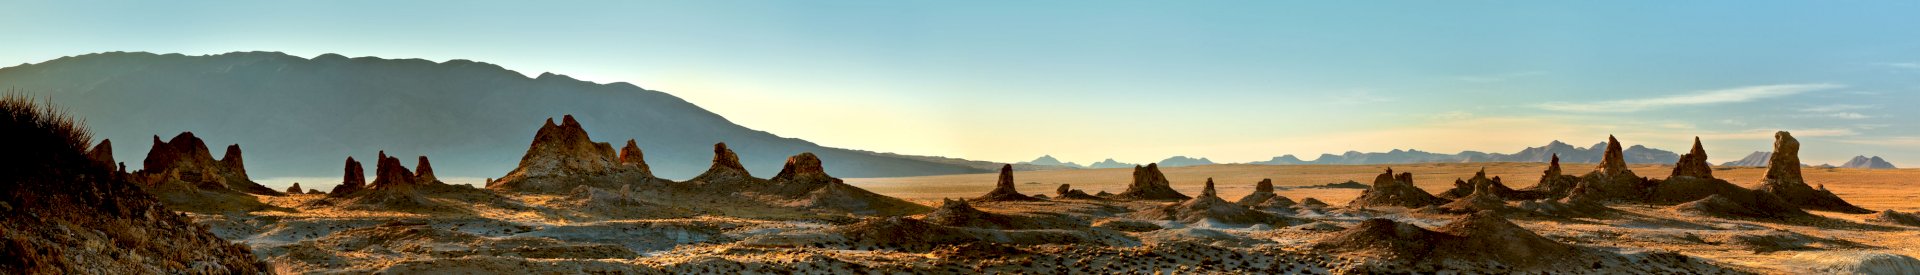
(304, 114)
(1567, 153)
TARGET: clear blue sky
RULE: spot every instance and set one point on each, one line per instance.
(1136, 81)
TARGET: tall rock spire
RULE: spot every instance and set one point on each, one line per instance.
(1003, 190)
(1694, 163)
(1615, 161)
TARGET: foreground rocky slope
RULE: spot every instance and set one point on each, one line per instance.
(63, 211)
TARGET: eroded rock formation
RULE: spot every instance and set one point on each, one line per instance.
(1783, 179)
(1066, 192)
(805, 180)
(1395, 190)
(1611, 181)
(1003, 190)
(563, 157)
(295, 189)
(1693, 163)
(1553, 184)
(1150, 184)
(1262, 192)
(726, 167)
(960, 213)
(1482, 237)
(353, 180)
(1495, 188)
(186, 159)
(1209, 207)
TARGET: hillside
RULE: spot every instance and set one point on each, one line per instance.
(300, 116)
(1567, 153)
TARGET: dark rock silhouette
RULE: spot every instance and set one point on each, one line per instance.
(1003, 190)
(1783, 179)
(66, 212)
(424, 170)
(1693, 163)
(803, 182)
(1066, 192)
(726, 167)
(353, 180)
(1395, 190)
(630, 155)
(103, 153)
(1150, 184)
(295, 189)
(185, 158)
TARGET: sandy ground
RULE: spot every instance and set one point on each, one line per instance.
(1897, 189)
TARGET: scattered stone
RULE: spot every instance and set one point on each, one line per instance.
(1783, 180)
(1150, 184)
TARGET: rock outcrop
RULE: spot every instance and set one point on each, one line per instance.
(1150, 184)
(1496, 188)
(1003, 190)
(803, 182)
(726, 167)
(295, 189)
(1553, 184)
(63, 211)
(352, 181)
(1783, 179)
(185, 158)
(1612, 180)
(1693, 163)
(1896, 217)
(961, 214)
(1262, 192)
(1066, 192)
(1482, 196)
(424, 170)
(1395, 190)
(1480, 238)
(1210, 208)
(563, 157)
(103, 154)
(1729, 206)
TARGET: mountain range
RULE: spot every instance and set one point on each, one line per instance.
(1567, 153)
(298, 117)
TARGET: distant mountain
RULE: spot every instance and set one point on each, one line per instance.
(1756, 159)
(298, 117)
(1863, 162)
(1567, 153)
(1177, 161)
(1109, 163)
(1281, 160)
(1048, 160)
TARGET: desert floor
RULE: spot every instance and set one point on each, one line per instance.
(1897, 189)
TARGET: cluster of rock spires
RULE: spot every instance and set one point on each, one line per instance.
(563, 160)
(186, 158)
(1481, 237)
(65, 209)
(1150, 184)
(562, 156)
(1395, 190)
(1209, 207)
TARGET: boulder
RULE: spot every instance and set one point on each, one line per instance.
(1783, 179)
(1150, 184)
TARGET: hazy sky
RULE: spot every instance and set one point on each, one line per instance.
(1136, 81)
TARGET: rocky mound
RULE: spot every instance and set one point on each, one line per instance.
(562, 157)
(1482, 198)
(1004, 189)
(1783, 180)
(1278, 203)
(1481, 237)
(1313, 203)
(960, 213)
(1611, 181)
(396, 188)
(1395, 190)
(804, 180)
(295, 189)
(1553, 184)
(184, 175)
(1262, 192)
(1896, 217)
(1066, 192)
(1758, 205)
(1693, 186)
(63, 211)
(1209, 207)
(591, 203)
(1495, 187)
(1150, 184)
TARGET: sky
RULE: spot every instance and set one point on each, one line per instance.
(1137, 81)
